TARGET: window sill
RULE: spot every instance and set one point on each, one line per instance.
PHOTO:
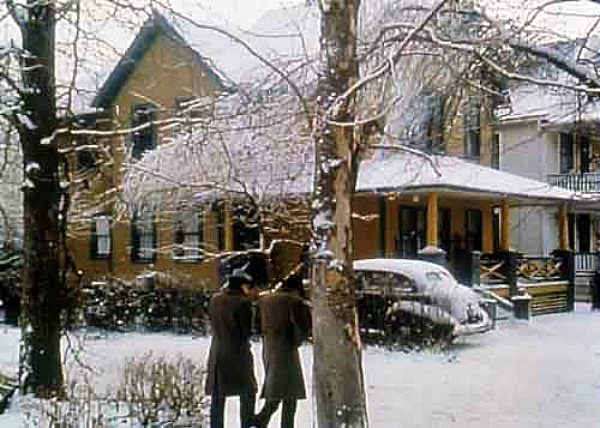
(101, 257)
(143, 261)
(186, 260)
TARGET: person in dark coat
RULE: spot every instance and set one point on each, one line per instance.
(230, 363)
(285, 322)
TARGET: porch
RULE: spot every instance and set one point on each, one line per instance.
(550, 281)
(458, 214)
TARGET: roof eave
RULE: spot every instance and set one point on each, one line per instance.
(446, 188)
(136, 51)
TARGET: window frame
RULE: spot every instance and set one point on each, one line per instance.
(80, 166)
(244, 237)
(471, 124)
(94, 252)
(182, 252)
(149, 110)
(136, 237)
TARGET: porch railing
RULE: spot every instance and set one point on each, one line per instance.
(585, 262)
(551, 279)
(494, 269)
(586, 182)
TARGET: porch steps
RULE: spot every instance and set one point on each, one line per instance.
(504, 308)
(582, 285)
(549, 304)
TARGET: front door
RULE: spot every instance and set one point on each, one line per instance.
(412, 232)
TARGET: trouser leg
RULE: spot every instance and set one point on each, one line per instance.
(217, 411)
(247, 402)
(267, 411)
(288, 413)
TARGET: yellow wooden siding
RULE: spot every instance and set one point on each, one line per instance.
(166, 71)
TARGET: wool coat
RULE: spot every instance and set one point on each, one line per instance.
(284, 323)
(230, 364)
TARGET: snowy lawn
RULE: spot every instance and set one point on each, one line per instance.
(542, 374)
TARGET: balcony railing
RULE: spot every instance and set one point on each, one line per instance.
(586, 182)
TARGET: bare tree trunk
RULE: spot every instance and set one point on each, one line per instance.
(40, 361)
(337, 369)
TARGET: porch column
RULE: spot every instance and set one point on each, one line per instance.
(563, 228)
(432, 252)
(505, 225)
(432, 219)
(487, 229)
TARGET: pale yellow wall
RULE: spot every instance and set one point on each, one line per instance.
(166, 71)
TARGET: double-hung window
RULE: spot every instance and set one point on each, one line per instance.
(143, 237)
(100, 239)
(142, 129)
(471, 124)
(187, 235)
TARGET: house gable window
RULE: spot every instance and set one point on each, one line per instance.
(143, 237)
(100, 238)
(85, 156)
(187, 235)
(142, 134)
(471, 124)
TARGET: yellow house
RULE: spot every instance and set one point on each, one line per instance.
(157, 74)
(406, 204)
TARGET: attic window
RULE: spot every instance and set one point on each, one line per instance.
(142, 125)
(86, 157)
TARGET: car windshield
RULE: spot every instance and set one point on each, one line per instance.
(435, 277)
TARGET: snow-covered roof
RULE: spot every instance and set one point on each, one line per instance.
(557, 107)
(551, 107)
(287, 37)
(219, 155)
(265, 167)
(409, 172)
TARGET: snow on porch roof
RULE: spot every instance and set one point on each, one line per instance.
(410, 173)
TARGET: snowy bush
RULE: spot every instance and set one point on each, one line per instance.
(151, 392)
(81, 407)
(123, 306)
(158, 390)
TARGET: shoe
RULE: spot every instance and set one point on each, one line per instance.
(255, 422)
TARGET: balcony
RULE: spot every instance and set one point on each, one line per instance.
(586, 182)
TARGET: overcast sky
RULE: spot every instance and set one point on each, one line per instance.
(241, 12)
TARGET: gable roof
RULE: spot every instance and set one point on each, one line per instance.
(155, 25)
(285, 37)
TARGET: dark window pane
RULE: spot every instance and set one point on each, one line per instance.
(142, 134)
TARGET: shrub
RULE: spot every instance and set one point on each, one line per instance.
(159, 390)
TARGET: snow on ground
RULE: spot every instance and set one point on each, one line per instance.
(9, 349)
(545, 373)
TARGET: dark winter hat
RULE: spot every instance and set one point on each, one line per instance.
(292, 282)
(241, 275)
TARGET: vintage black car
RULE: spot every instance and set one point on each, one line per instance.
(413, 299)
